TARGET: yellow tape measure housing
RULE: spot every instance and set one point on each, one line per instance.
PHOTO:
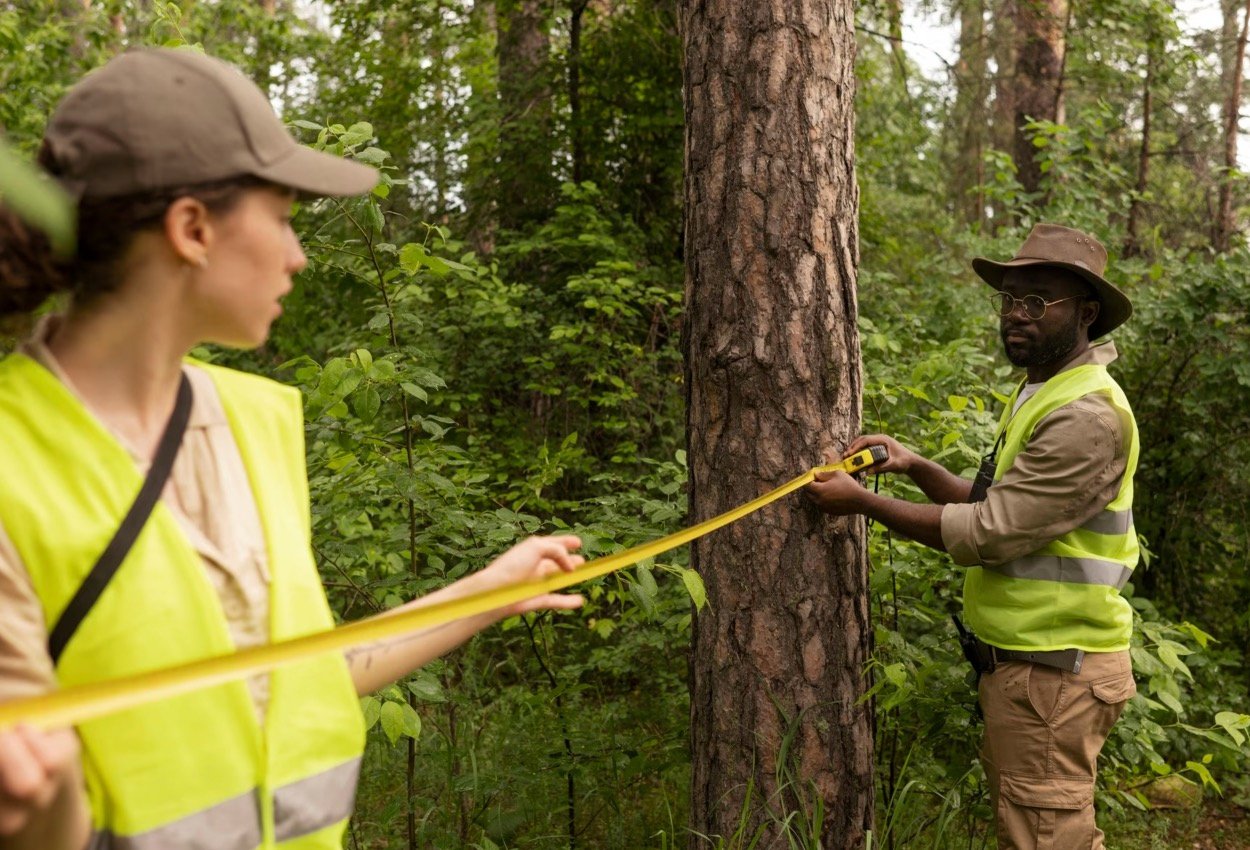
(860, 461)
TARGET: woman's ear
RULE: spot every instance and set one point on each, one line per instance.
(189, 229)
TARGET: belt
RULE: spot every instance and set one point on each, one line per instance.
(1064, 659)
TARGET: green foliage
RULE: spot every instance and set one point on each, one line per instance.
(466, 386)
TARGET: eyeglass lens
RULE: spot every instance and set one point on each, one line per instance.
(1034, 305)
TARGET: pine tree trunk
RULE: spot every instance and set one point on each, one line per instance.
(969, 121)
(526, 183)
(773, 376)
(1040, 33)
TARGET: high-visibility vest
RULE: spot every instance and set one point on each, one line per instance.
(1067, 593)
(196, 771)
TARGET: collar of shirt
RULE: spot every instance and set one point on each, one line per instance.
(206, 410)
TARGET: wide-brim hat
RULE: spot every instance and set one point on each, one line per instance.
(1066, 248)
(153, 119)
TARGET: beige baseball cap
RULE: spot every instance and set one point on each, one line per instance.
(160, 118)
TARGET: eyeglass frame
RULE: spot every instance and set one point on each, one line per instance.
(1000, 296)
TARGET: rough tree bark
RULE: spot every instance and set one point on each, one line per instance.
(969, 124)
(526, 184)
(1036, 91)
(773, 376)
(1226, 217)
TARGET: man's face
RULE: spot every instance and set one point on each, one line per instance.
(1031, 343)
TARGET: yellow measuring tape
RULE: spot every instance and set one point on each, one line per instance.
(80, 703)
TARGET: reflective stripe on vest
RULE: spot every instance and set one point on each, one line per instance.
(1065, 594)
(300, 808)
(232, 825)
(190, 765)
(1074, 570)
(1110, 522)
(316, 802)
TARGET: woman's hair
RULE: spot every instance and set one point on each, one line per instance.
(30, 271)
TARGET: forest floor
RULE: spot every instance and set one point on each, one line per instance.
(1216, 825)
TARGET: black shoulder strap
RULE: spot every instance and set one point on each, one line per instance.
(95, 582)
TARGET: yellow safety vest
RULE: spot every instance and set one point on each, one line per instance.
(1067, 593)
(196, 771)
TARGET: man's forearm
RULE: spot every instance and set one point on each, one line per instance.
(938, 483)
(922, 523)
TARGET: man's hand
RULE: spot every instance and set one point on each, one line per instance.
(901, 458)
(33, 765)
(837, 493)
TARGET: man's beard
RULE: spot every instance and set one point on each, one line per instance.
(1044, 350)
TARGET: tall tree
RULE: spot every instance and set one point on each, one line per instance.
(526, 181)
(773, 376)
(1039, 31)
(967, 131)
(1234, 70)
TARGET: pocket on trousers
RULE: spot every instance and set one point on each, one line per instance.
(1071, 793)
(1114, 690)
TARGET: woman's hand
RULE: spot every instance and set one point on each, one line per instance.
(33, 765)
(533, 559)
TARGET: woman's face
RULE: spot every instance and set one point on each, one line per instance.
(250, 263)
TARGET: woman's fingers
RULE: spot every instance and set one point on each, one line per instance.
(31, 763)
(556, 550)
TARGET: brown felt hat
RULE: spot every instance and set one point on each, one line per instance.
(1066, 248)
(160, 118)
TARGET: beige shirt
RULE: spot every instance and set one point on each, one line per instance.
(1068, 471)
(208, 493)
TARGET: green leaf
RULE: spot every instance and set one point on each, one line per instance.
(366, 404)
(1232, 723)
(38, 201)
(694, 586)
(393, 722)
(307, 125)
(415, 391)
(957, 402)
(427, 688)
(371, 707)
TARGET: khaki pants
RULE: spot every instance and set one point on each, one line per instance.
(1044, 729)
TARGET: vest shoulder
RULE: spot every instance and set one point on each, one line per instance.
(248, 387)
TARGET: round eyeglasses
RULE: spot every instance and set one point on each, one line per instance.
(1034, 305)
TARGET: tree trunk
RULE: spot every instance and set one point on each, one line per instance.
(1003, 34)
(526, 183)
(967, 150)
(1132, 240)
(772, 377)
(577, 9)
(1225, 217)
(1037, 92)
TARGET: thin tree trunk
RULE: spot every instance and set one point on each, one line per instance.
(1132, 241)
(772, 377)
(577, 9)
(894, 16)
(1225, 218)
